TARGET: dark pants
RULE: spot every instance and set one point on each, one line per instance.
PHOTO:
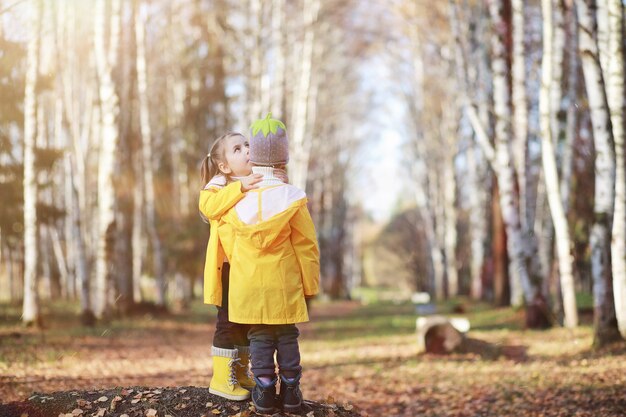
(228, 334)
(265, 339)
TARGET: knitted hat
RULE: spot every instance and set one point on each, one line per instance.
(269, 144)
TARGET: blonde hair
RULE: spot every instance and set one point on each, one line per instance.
(210, 163)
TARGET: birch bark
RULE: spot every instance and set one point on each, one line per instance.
(108, 146)
(148, 162)
(605, 328)
(617, 106)
(548, 158)
(521, 286)
(30, 307)
(299, 146)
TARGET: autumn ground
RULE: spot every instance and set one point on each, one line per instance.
(358, 355)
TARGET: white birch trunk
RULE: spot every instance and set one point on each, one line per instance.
(477, 226)
(148, 163)
(617, 106)
(604, 308)
(136, 239)
(278, 40)
(299, 145)
(254, 93)
(520, 105)
(436, 253)
(556, 89)
(30, 308)
(548, 158)
(572, 113)
(80, 266)
(108, 147)
(521, 287)
(450, 240)
(603, 34)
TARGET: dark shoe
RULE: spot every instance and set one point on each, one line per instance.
(264, 395)
(290, 395)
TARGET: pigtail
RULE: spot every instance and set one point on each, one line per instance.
(205, 171)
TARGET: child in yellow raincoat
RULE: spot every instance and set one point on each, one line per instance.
(270, 240)
(227, 173)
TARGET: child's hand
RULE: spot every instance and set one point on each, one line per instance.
(249, 183)
(281, 174)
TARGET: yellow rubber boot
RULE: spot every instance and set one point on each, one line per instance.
(224, 381)
(243, 372)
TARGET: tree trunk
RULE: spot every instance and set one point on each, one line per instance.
(617, 106)
(548, 158)
(572, 110)
(449, 197)
(605, 322)
(500, 260)
(108, 140)
(148, 163)
(477, 227)
(137, 238)
(30, 310)
(521, 286)
(255, 90)
(520, 105)
(278, 39)
(300, 147)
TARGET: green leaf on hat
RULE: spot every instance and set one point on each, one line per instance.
(267, 125)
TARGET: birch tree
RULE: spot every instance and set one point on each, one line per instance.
(108, 140)
(30, 309)
(605, 326)
(551, 175)
(520, 103)
(278, 41)
(300, 147)
(148, 162)
(617, 106)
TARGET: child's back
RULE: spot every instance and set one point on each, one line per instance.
(274, 256)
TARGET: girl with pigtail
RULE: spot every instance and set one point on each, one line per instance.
(227, 174)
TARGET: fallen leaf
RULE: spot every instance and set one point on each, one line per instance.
(182, 391)
(186, 398)
(216, 411)
(310, 414)
(82, 403)
(234, 408)
(138, 395)
(347, 407)
(102, 399)
(151, 412)
(124, 415)
(77, 412)
(157, 391)
(126, 392)
(209, 405)
(101, 412)
(135, 401)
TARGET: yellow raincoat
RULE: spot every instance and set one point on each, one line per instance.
(274, 260)
(215, 200)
